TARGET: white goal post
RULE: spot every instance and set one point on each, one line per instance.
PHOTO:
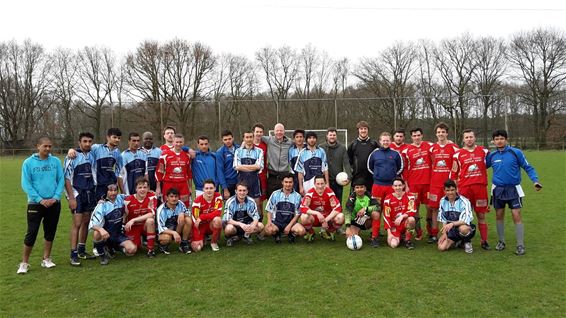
(342, 135)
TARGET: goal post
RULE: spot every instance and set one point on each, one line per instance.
(341, 134)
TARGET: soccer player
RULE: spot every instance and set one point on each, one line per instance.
(277, 157)
(456, 216)
(361, 209)
(441, 156)
(79, 185)
(321, 208)
(174, 223)
(417, 158)
(134, 163)
(106, 224)
(311, 162)
(174, 171)
(241, 218)
(506, 162)
(206, 211)
(358, 154)
(258, 130)
(140, 215)
(385, 165)
(152, 154)
(337, 157)
(294, 150)
(399, 215)
(470, 172)
(283, 210)
(43, 181)
(399, 145)
(205, 166)
(248, 162)
(168, 135)
(225, 156)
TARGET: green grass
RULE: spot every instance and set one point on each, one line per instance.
(322, 279)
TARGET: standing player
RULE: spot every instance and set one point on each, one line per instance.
(134, 163)
(225, 156)
(311, 162)
(140, 216)
(173, 223)
(441, 156)
(507, 162)
(283, 210)
(470, 172)
(258, 130)
(277, 157)
(337, 156)
(294, 150)
(152, 154)
(456, 217)
(358, 154)
(106, 224)
(399, 215)
(169, 136)
(43, 181)
(79, 185)
(174, 171)
(248, 162)
(206, 211)
(399, 145)
(205, 166)
(417, 158)
(241, 218)
(321, 208)
(361, 209)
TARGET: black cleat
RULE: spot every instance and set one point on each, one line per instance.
(409, 245)
(432, 240)
(485, 246)
(185, 249)
(375, 242)
(75, 261)
(104, 259)
(520, 250)
(500, 246)
(291, 238)
(150, 254)
(164, 249)
(85, 255)
(277, 238)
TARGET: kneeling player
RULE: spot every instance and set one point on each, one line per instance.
(207, 209)
(241, 218)
(399, 215)
(106, 224)
(173, 223)
(321, 208)
(455, 213)
(283, 210)
(140, 215)
(361, 210)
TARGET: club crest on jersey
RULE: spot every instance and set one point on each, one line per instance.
(420, 161)
(473, 167)
(177, 170)
(441, 163)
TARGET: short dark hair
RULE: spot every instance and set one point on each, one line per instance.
(258, 125)
(320, 176)
(241, 183)
(468, 130)
(399, 131)
(247, 132)
(133, 134)
(400, 179)
(202, 137)
(43, 139)
(417, 129)
(179, 136)
(85, 134)
(226, 132)
(359, 182)
(298, 131)
(449, 183)
(173, 191)
(499, 132)
(441, 125)
(169, 128)
(141, 180)
(114, 132)
(311, 134)
(209, 181)
(286, 176)
(362, 123)
(331, 129)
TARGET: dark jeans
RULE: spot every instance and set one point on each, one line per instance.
(274, 182)
(50, 216)
(338, 190)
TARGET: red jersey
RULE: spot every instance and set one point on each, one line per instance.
(263, 146)
(173, 167)
(471, 166)
(399, 149)
(134, 208)
(418, 163)
(165, 147)
(325, 203)
(441, 159)
(205, 210)
(393, 207)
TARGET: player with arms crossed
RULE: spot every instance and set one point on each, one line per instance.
(174, 223)
(241, 218)
(361, 209)
(207, 211)
(456, 216)
(399, 215)
(174, 170)
(140, 216)
(321, 208)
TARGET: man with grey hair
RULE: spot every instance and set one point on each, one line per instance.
(152, 154)
(277, 157)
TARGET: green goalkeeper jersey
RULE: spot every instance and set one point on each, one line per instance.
(356, 203)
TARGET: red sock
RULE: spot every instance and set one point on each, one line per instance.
(215, 235)
(429, 226)
(483, 231)
(334, 227)
(375, 225)
(434, 232)
(150, 241)
(408, 236)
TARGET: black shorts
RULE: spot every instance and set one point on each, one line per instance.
(86, 202)
(117, 239)
(36, 213)
(364, 226)
(501, 196)
(280, 226)
(454, 234)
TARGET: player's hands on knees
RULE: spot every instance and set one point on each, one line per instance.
(197, 222)
(226, 194)
(287, 229)
(361, 212)
(176, 237)
(320, 217)
(181, 219)
(104, 234)
(128, 225)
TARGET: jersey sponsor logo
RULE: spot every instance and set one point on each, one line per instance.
(473, 168)
(481, 203)
(441, 163)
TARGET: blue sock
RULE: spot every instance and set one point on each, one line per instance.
(74, 254)
(81, 248)
(99, 245)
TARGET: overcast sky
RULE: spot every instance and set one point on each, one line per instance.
(352, 29)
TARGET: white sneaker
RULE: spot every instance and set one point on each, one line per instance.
(214, 247)
(47, 263)
(468, 247)
(23, 269)
(95, 252)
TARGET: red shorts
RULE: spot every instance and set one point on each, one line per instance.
(477, 194)
(135, 233)
(380, 192)
(182, 187)
(420, 191)
(203, 230)
(263, 185)
(398, 230)
(318, 224)
(435, 194)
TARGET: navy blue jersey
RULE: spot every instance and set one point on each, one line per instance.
(245, 212)
(109, 215)
(152, 158)
(461, 210)
(282, 207)
(107, 164)
(247, 157)
(79, 172)
(311, 163)
(134, 166)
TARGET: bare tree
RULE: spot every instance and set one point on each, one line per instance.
(243, 84)
(540, 58)
(428, 85)
(64, 82)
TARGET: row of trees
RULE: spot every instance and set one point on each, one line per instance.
(459, 80)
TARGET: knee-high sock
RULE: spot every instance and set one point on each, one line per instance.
(375, 225)
(520, 234)
(215, 234)
(150, 241)
(500, 231)
(483, 231)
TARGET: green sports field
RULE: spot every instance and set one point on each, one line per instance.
(322, 279)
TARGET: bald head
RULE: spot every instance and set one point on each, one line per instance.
(279, 131)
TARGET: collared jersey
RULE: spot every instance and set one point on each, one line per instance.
(79, 172)
(418, 163)
(164, 213)
(173, 167)
(282, 207)
(107, 164)
(441, 157)
(393, 207)
(461, 210)
(225, 156)
(507, 164)
(245, 157)
(133, 166)
(109, 215)
(152, 156)
(134, 207)
(471, 166)
(385, 165)
(311, 162)
(294, 156)
(245, 212)
(325, 203)
(205, 210)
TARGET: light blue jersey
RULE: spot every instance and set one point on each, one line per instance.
(166, 217)
(245, 212)
(134, 165)
(460, 211)
(79, 172)
(109, 215)
(107, 164)
(282, 207)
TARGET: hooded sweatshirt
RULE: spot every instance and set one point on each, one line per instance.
(42, 179)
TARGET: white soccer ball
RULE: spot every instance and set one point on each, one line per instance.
(354, 242)
(342, 178)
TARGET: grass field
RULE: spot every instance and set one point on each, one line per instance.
(322, 279)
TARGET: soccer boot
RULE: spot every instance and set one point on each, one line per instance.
(150, 254)
(485, 246)
(277, 237)
(409, 245)
(85, 255)
(75, 261)
(500, 246)
(214, 247)
(185, 249)
(432, 239)
(230, 242)
(248, 240)
(325, 235)
(468, 248)
(164, 249)
(520, 250)
(104, 259)
(291, 238)
(374, 242)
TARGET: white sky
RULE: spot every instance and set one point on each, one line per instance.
(352, 29)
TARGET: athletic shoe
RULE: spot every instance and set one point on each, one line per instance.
(208, 238)
(23, 269)
(164, 249)
(230, 242)
(325, 235)
(85, 255)
(468, 248)
(95, 252)
(150, 254)
(185, 249)
(248, 240)
(260, 237)
(47, 263)
(291, 238)
(458, 244)
(309, 237)
(409, 245)
(277, 237)
(214, 247)
(520, 250)
(485, 245)
(500, 246)
(374, 242)
(104, 259)
(432, 239)
(75, 261)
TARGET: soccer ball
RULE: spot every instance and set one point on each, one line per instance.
(354, 242)
(342, 178)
